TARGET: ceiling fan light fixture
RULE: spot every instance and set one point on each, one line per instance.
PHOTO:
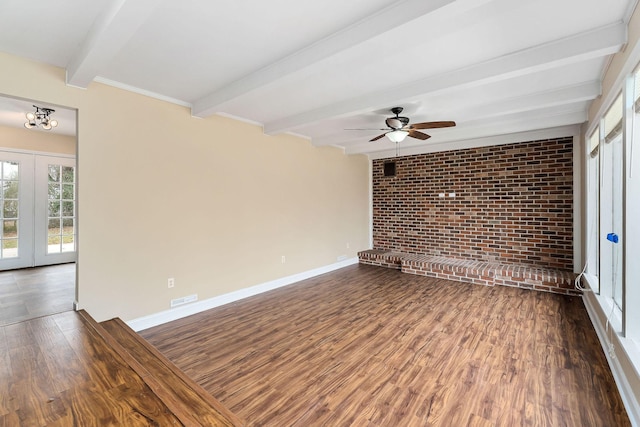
(397, 135)
(398, 128)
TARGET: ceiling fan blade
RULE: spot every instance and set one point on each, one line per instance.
(367, 129)
(377, 137)
(417, 134)
(432, 125)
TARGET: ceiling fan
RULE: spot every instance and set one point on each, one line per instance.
(398, 127)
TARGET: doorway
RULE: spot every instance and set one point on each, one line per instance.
(38, 215)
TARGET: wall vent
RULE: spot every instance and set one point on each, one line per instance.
(184, 300)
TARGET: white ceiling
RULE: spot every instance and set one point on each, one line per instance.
(496, 67)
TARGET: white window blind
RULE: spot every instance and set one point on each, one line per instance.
(613, 120)
(636, 90)
(594, 141)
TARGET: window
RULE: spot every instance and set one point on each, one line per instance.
(612, 208)
(611, 195)
(632, 203)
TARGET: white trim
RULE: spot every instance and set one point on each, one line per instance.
(231, 116)
(140, 91)
(629, 12)
(371, 203)
(308, 138)
(37, 153)
(577, 201)
(629, 399)
(159, 318)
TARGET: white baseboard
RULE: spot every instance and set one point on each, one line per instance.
(187, 310)
(629, 398)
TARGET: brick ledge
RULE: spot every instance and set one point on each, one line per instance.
(478, 272)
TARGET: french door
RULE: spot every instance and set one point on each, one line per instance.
(17, 210)
(38, 210)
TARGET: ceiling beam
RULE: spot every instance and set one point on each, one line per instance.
(112, 29)
(498, 107)
(374, 25)
(580, 47)
(566, 95)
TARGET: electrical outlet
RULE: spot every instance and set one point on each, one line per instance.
(612, 351)
(283, 259)
(348, 245)
(171, 282)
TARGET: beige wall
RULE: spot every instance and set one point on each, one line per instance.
(30, 140)
(213, 202)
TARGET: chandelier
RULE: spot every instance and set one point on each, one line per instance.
(41, 117)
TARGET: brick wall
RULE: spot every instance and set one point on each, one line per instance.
(513, 204)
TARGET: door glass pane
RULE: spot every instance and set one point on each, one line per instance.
(68, 235)
(61, 233)
(54, 190)
(54, 208)
(54, 173)
(68, 174)
(10, 209)
(10, 171)
(9, 248)
(9, 181)
(67, 208)
(53, 244)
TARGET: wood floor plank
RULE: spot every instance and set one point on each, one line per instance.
(370, 346)
(67, 376)
(185, 398)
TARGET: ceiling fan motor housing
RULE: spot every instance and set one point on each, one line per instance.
(397, 122)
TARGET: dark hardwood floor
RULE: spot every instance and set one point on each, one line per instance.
(67, 370)
(34, 292)
(57, 371)
(370, 346)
